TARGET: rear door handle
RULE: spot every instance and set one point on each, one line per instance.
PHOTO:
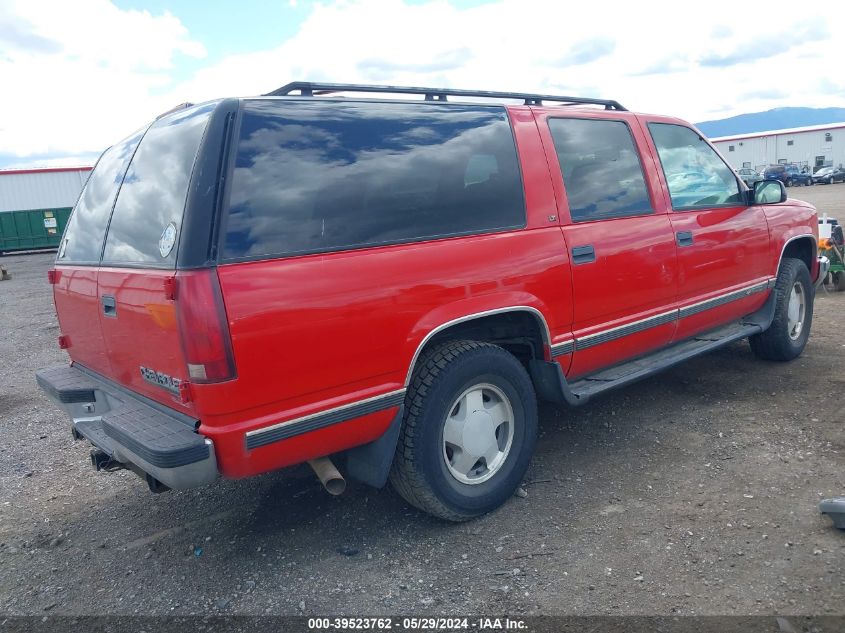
(684, 238)
(583, 254)
(109, 306)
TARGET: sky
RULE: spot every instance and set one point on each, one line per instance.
(79, 76)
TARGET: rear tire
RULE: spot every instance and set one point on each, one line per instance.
(787, 335)
(788, 182)
(462, 394)
(838, 281)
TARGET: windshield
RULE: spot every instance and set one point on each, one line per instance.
(824, 171)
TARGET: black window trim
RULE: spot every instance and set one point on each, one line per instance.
(652, 210)
(223, 218)
(741, 187)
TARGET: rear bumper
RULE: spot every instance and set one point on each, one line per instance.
(158, 443)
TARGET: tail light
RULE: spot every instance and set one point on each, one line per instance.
(203, 327)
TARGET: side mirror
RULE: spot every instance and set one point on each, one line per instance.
(769, 192)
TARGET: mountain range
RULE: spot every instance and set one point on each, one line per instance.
(777, 119)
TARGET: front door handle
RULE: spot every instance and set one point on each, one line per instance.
(684, 238)
(109, 306)
(583, 254)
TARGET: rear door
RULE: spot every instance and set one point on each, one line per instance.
(75, 289)
(135, 307)
(618, 234)
(723, 243)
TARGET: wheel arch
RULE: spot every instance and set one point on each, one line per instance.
(801, 247)
(493, 325)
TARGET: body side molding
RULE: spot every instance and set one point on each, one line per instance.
(315, 421)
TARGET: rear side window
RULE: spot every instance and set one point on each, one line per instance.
(601, 169)
(696, 175)
(320, 176)
(83, 238)
(148, 213)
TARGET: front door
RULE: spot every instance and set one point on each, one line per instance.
(619, 237)
(723, 243)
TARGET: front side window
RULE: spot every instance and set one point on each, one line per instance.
(320, 176)
(697, 177)
(83, 239)
(601, 169)
(148, 213)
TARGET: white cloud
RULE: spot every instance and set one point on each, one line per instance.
(650, 60)
(111, 71)
(77, 76)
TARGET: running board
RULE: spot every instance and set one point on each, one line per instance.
(644, 366)
(551, 385)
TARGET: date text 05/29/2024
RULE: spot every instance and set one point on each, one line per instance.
(417, 624)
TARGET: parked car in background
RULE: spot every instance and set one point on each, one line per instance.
(829, 175)
(749, 176)
(788, 174)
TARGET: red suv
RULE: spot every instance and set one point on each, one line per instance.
(322, 275)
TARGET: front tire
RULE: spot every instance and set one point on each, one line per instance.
(787, 335)
(788, 182)
(469, 431)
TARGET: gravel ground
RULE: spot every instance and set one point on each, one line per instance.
(693, 492)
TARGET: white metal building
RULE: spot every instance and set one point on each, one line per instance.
(25, 189)
(813, 147)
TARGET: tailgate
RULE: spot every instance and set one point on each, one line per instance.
(138, 322)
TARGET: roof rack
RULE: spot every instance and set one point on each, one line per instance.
(311, 89)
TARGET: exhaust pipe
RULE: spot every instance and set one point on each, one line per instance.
(332, 480)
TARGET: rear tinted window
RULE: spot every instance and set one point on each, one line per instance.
(83, 238)
(601, 169)
(320, 176)
(148, 213)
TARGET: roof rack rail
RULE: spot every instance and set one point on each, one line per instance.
(312, 89)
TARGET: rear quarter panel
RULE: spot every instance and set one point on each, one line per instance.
(316, 332)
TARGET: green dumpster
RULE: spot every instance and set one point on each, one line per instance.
(26, 230)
